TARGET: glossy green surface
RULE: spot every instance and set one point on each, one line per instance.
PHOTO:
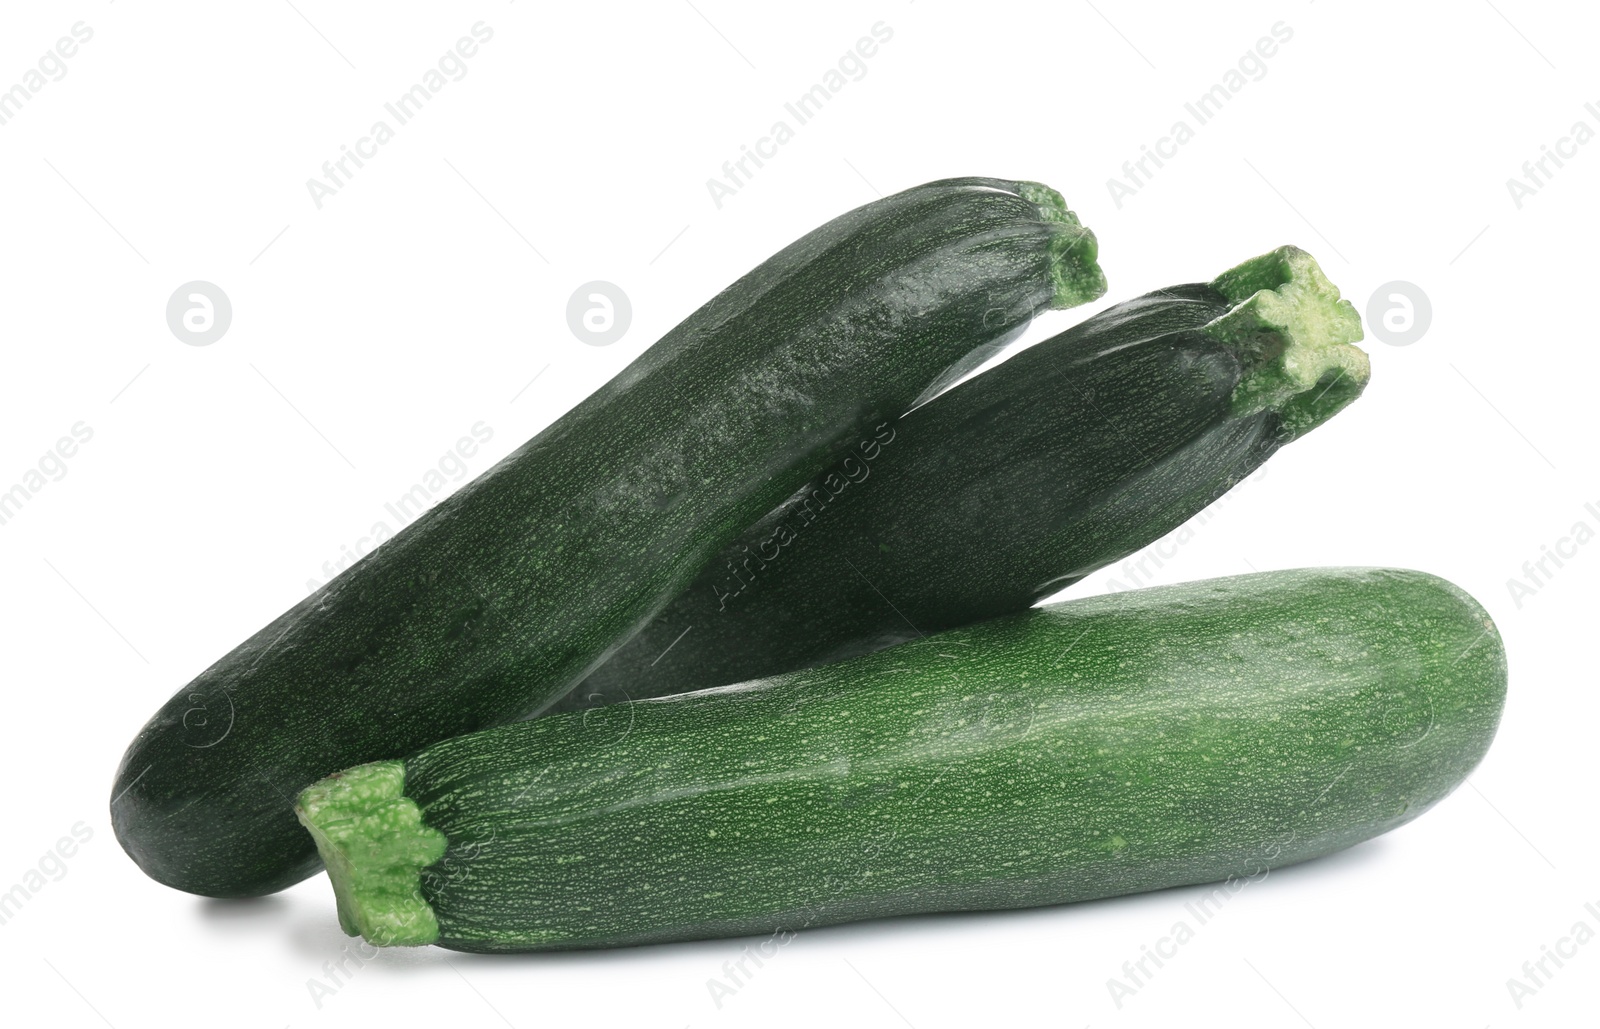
(499, 599)
(1102, 746)
(1009, 487)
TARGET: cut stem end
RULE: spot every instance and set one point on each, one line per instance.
(1074, 252)
(372, 839)
(1296, 337)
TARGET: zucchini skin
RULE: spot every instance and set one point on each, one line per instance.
(1092, 748)
(1009, 487)
(499, 599)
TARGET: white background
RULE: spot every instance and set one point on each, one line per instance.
(429, 294)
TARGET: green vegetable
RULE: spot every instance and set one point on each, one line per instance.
(1015, 484)
(502, 597)
(1102, 746)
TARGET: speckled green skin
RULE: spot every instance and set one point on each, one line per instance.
(1011, 486)
(497, 601)
(1102, 746)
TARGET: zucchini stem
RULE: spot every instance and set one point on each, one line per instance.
(372, 839)
(1074, 266)
(1296, 337)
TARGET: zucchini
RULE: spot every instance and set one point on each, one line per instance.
(1015, 484)
(506, 594)
(1097, 747)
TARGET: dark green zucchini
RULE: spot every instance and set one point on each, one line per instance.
(492, 605)
(1120, 743)
(1015, 484)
